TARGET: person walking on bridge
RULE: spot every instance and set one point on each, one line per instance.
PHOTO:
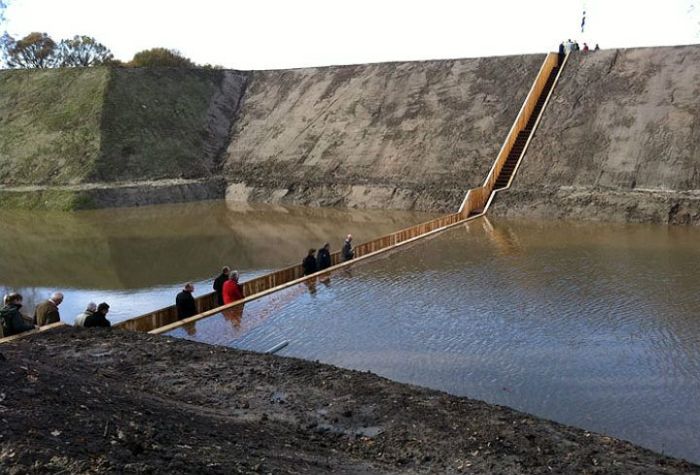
(568, 46)
(99, 318)
(309, 263)
(348, 252)
(11, 321)
(323, 258)
(219, 285)
(184, 302)
(80, 319)
(232, 289)
(46, 312)
(562, 53)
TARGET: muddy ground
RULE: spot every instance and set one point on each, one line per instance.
(86, 401)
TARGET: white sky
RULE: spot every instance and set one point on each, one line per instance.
(263, 34)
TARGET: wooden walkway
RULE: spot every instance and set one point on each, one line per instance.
(475, 204)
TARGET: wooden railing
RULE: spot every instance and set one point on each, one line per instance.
(482, 196)
(259, 285)
(165, 319)
(537, 122)
(363, 251)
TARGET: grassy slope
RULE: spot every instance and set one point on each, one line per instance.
(50, 125)
(155, 124)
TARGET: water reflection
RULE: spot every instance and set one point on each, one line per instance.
(136, 258)
(504, 237)
(587, 324)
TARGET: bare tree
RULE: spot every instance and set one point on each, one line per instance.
(4, 36)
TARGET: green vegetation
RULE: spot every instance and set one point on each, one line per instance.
(87, 125)
(155, 124)
(53, 200)
(50, 125)
(160, 58)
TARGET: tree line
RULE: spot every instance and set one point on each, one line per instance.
(39, 50)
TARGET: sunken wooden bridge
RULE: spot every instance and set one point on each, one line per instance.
(475, 204)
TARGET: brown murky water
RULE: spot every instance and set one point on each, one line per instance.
(592, 325)
(137, 259)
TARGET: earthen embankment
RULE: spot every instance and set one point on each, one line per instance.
(103, 137)
(394, 135)
(619, 141)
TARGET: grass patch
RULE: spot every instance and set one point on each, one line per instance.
(155, 124)
(50, 200)
(50, 125)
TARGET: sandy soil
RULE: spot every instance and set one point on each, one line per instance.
(405, 135)
(82, 401)
(617, 142)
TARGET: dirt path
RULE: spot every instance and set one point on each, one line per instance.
(81, 401)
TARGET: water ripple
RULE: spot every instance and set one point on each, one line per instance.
(596, 328)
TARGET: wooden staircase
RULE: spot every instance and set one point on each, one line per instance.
(524, 135)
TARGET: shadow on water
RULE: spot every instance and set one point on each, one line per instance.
(588, 324)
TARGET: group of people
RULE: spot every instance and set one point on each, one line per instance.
(94, 316)
(13, 321)
(225, 285)
(569, 46)
(315, 262)
(229, 290)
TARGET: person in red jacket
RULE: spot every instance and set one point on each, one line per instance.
(232, 289)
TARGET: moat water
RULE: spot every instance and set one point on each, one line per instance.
(137, 259)
(593, 325)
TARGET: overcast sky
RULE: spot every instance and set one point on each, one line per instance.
(263, 34)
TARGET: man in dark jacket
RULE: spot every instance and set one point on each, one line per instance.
(99, 318)
(219, 285)
(348, 253)
(562, 54)
(309, 263)
(323, 258)
(46, 312)
(11, 320)
(185, 302)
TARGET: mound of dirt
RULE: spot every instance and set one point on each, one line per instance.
(79, 401)
(617, 142)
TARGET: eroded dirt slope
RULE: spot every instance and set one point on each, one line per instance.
(620, 140)
(391, 135)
